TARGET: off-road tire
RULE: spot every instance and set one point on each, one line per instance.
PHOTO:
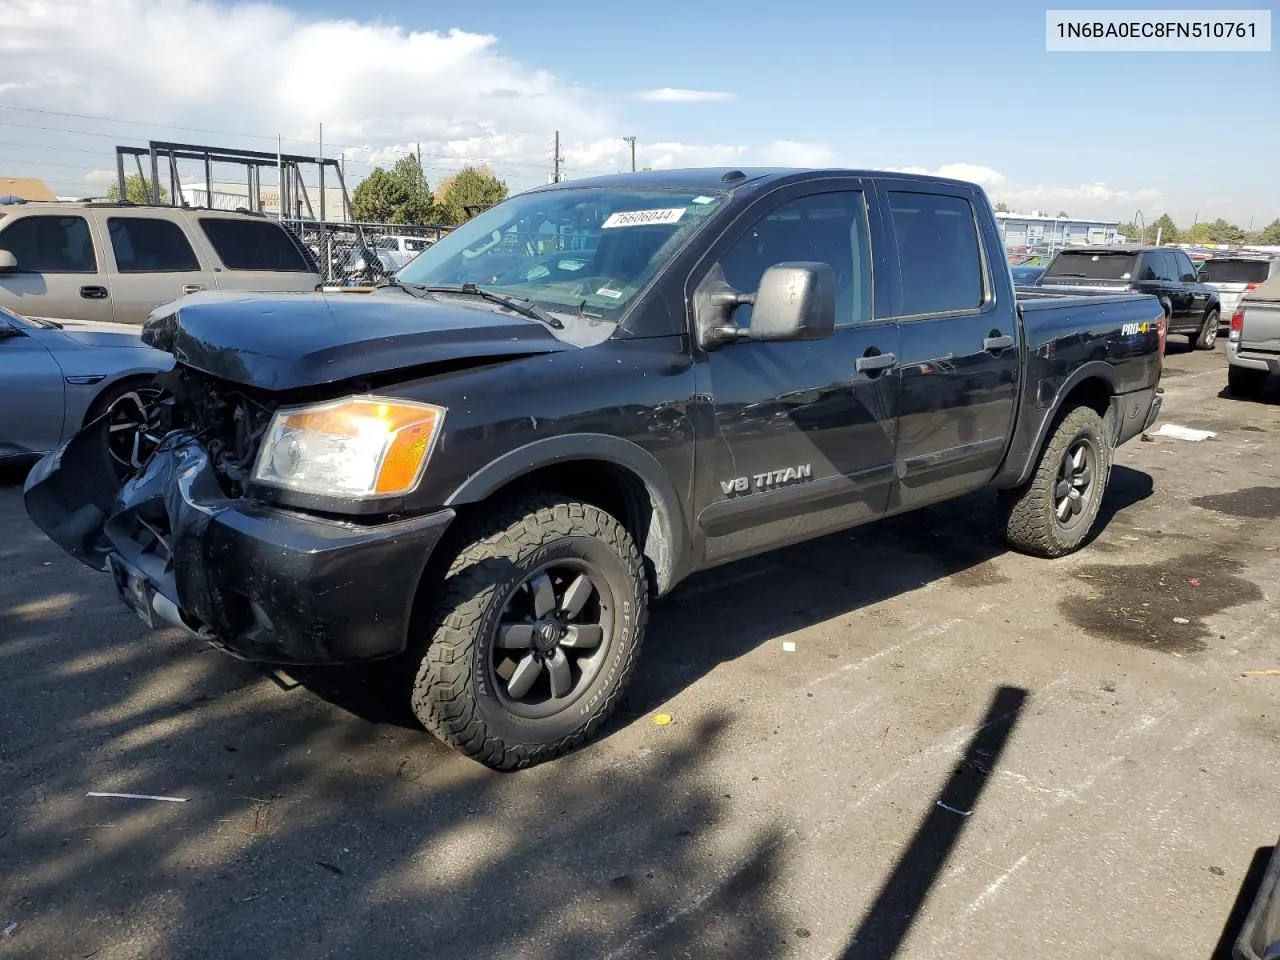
(1029, 512)
(1244, 382)
(1207, 338)
(453, 693)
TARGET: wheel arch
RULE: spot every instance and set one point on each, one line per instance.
(1093, 384)
(615, 474)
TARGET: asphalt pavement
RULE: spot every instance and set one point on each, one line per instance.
(969, 754)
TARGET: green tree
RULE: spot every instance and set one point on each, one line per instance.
(398, 195)
(137, 189)
(1197, 233)
(470, 186)
(1002, 207)
(418, 206)
(1063, 214)
(1222, 232)
(1270, 234)
(1131, 232)
(1166, 229)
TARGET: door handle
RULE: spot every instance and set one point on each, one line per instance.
(192, 287)
(93, 293)
(992, 344)
(875, 361)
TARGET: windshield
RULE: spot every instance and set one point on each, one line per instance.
(588, 250)
(1092, 266)
(1234, 271)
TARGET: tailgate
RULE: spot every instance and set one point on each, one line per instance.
(1261, 330)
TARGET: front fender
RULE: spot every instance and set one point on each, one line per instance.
(666, 545)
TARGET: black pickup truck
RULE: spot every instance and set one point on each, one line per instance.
(490, 466)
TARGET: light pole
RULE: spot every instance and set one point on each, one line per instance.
(1142, 237)
(632, 141)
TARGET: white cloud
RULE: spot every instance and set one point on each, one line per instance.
(99, 177)
(1084, 200)
(676, 95)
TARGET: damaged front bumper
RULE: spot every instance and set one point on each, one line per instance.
(263, 583)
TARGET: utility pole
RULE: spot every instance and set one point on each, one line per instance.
(632, 141)
(556, 160)
(419, 145)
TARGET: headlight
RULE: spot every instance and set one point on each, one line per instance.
(356, 447)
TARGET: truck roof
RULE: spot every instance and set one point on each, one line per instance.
(1114, 248)
(724, 178)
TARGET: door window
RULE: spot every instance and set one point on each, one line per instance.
(253, 245)
(1168, 266)
(828, 228)
(150, 245)
(1183, 268)
(937, 240)
(50, 245)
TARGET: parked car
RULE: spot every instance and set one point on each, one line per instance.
(392, 253)
(1191, 307)
(1253, 344)
(492, 466)
(1236, 274)
(57, 376)
(1026, 275)
(117, 261)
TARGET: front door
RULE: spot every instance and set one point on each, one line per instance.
(154, 263)
(959, 354)
(59, 273)
(803, 432)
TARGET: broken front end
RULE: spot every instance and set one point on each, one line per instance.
(189, 540)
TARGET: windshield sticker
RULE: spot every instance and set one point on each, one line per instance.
(704, 199)
(606, 292)
(643, 218)
(571, 264)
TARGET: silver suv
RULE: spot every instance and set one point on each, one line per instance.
(1235, 274)
(117, 261)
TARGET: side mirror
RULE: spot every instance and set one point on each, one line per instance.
(7, 261)
(796, 301)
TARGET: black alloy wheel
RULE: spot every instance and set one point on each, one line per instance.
(554, 633)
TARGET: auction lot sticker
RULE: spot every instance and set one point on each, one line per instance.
(643, 218)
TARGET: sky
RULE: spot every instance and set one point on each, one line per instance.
(922, 85)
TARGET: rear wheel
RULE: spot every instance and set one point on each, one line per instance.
(1244, 382)
(533, 634)
(1053, 512)
(1208, 335)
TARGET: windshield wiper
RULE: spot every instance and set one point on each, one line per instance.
(520, 305)
(47, 324)
(1080, 275)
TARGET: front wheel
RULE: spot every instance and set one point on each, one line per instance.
(533, 634)
(1208, 335)
(1052, 513)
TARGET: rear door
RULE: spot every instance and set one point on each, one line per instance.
(959, 351)
(255, 254)
(151, 262)
(804, 431)
(59, 271)
(31, 392)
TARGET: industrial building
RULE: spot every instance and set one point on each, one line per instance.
(1034, 229)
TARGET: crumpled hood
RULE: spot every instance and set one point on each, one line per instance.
(286, 341)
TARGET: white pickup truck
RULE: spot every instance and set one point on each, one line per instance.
(393, 252)
(1253, 346)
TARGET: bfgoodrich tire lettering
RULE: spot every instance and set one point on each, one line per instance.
(1052, 514)
(500, 720)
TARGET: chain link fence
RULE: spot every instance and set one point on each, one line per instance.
(355, 254)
